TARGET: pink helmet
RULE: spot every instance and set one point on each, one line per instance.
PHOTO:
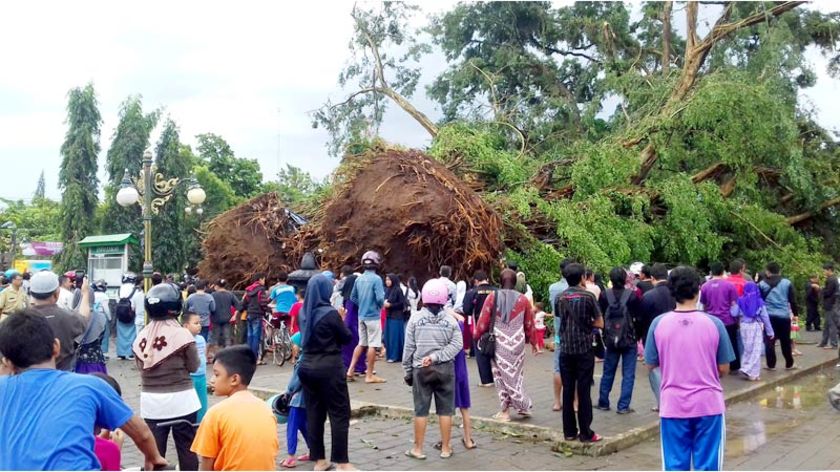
(435, 292)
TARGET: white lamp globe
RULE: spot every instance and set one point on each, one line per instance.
(196, 195)
(127, 196)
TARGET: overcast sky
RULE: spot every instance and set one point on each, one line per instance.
(249, 72)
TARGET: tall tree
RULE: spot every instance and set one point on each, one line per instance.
(243, 175)
(77, 176)
(130, 141)
(168, 225)
(377, 73)
(294, 185)
(41, 189)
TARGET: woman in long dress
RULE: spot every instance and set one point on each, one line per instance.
(754, 323)
(395, 304)
(351, 320)
(514, 327)
(91, 358)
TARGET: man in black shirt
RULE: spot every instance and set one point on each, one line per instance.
(812, 304)
(473, 303)
(645, 282)
(224, 301)
(654, 303)
(578, 316)
(829, 296)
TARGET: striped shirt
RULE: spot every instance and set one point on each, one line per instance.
(427, 334)
(576, 310)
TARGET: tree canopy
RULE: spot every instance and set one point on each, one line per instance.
(77, 176)
(605, 134)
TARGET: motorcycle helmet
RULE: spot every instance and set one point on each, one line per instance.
(163, 301)
(279, 405)
(371, 258)
(129, 278)
(435, 292)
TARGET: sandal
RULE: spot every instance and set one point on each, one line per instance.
(303, 458)
(330, 466)
(350, 378)
(595, 438)
(289, 463)
(438, 445)
(446, 455)
(501, 417)
(464, 442)
(410, 453)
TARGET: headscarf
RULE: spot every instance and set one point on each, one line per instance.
(98, 321)
(329, 275)
(316, 306)
(521, 283)
(750, 302)
(159, 340)
(508, 278)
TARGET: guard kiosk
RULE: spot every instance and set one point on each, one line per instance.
(108, 258)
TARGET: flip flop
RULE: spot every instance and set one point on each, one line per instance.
(595, 438)
(350, 378)
(376, 380)
(464, 442)
(446, 455)
(289, 463)
(438, 445)
(411, 454)
(501, 417)
(555, 408)
(329, 466)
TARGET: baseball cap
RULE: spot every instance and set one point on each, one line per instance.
(43, 282)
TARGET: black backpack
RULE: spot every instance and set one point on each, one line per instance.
(125, 314)
(618, 327)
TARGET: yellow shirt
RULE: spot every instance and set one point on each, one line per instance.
(240, 433)
(12, 300)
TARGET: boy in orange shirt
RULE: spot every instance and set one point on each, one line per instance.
(240, 432)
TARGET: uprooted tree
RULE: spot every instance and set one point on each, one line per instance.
(709, 153)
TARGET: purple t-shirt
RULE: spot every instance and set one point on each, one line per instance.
(688, 346)
(717, 297)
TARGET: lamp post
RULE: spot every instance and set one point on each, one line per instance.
(156, 191)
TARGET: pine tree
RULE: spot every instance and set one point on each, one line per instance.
(77, 177)
(41, 189)
(168, 227)
(126, 152)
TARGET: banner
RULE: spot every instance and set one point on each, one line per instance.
(41, 248)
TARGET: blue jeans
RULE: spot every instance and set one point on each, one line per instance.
(628, 376)
(255, 335)
(205, 333)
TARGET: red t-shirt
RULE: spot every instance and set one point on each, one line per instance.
(293, 313)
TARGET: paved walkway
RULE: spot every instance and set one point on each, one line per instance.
(789, 428)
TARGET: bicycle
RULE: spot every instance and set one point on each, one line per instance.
(276, 339)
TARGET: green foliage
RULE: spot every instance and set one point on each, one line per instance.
(687, 232)
(77, 176)
(293, 186)
(126, 152)
(482, 150)
(243, 175)
(170, 233)
(541, 264)
(39, 220)
(601, 166)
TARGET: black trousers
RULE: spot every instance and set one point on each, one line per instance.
(325, 387)
(781, 328)
(577, 371)
(813, 319)
(485, 368)
(183, 434)
(732, 331)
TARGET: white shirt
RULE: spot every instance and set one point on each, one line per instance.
(539, 320)
(65, 299)
(138, 303)
(162, 406)
(102, 299)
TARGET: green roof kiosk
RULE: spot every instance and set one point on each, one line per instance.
(108, 258)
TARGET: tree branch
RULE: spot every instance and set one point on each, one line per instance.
(796, 219)
(562, 52)
(666, 37)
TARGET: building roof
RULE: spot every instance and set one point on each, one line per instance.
(108, 240)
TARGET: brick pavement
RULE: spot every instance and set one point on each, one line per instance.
(538, 384)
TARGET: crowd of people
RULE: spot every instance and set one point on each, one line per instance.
(688, 329)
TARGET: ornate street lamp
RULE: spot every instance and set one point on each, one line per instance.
(156, 191)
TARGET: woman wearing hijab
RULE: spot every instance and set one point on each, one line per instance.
(395, 303)
(166, 354)
(412, 295)
(351, 320)
(754, 323)
(513, 326)
(91, 357)
(322, 374)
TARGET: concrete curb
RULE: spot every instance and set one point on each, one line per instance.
(608, 445)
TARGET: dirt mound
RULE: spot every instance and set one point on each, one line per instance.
(411, 209)
(252, 237)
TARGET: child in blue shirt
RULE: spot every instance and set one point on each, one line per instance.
(297, 415)
(192, 321)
